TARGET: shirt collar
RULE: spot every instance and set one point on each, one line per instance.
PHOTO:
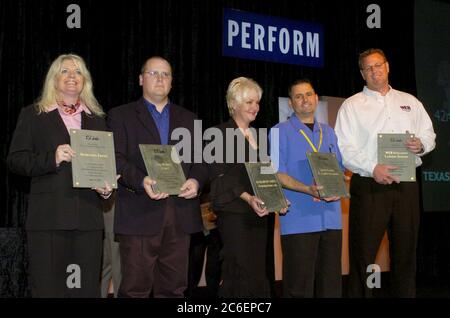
(152, 108)
(298, 124)
(369, 92)
(79, 110)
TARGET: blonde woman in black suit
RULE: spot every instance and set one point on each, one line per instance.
(245, 226)
(64, 224)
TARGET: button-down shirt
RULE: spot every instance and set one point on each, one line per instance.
(304, 215)
(71, 121)
(364, 115)
(161, 120)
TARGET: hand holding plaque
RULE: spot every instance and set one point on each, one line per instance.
(392, 151)
(266, 186)
(94, 162)
(163, 166)
(327, 174)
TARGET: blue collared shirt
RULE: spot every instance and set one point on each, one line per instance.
(161, 120)
(305, 215)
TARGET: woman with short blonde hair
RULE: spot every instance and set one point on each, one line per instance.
(245, 225)
(239, 89)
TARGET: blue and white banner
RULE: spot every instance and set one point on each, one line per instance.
(266, 38)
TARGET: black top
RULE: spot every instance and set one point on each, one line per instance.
(230, 180)
(310, 126)
(53, 203)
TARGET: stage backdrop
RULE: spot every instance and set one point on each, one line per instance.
(432, 61)
(116, 37)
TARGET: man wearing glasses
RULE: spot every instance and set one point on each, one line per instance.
(153, 228)
(379, 202)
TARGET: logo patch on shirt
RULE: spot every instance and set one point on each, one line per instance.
(405, 108)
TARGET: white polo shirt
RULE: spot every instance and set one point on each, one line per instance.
(365, 114)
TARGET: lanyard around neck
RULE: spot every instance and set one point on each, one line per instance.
(309, 140)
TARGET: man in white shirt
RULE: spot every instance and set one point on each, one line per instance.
(379, 201)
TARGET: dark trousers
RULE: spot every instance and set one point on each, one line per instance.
(211, 244)
(65, 263)
(248, 257)
(375, 208)
(312, 264)
(157, 263)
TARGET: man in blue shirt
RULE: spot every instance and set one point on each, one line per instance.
(311, 231)
(153, 228)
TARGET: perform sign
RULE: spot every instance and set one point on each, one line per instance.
(267, 38)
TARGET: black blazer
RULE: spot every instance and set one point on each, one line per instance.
(230, 180)
(137, 214)
(53, 203)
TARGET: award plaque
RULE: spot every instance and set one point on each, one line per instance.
(266, 185)
(392, 151)
(94, 161)
(164, 166)
(327, 173)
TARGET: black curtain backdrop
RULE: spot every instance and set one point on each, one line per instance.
(115, 39)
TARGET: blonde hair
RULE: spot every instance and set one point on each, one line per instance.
(238, 90)
(48, 96)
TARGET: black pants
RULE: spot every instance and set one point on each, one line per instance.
(65, 263)
(157, 263)
(248, 256)
(375, 208)
(312, 264)
(211, 244)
